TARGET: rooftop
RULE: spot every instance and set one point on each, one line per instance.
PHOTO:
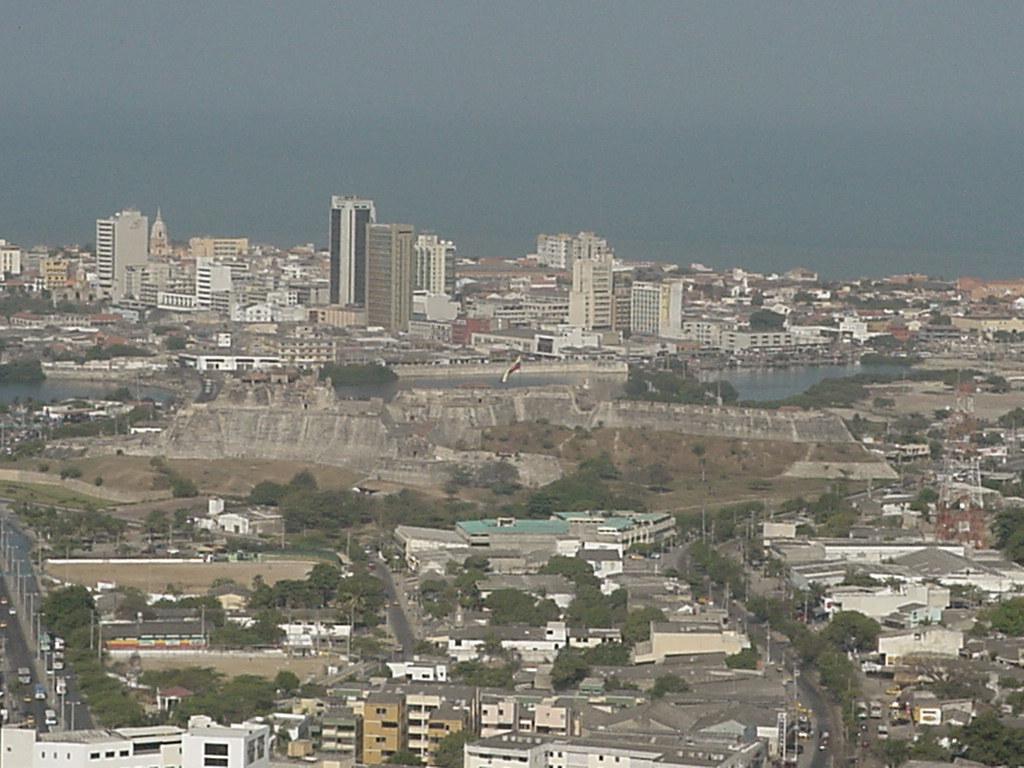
(512, 525)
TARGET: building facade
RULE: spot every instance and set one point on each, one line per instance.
(590, 300)
(122, 241)
(434, 268)
(347, 241)
(389, 257)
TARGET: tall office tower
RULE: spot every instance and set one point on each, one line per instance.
(587, 245)
(656, 309)
(122, 241)
(562, 251)
(434, 269)
(159, 242)
(554, 251)
(389, 257)
(590, 300)
(213, 282)
(350, 217)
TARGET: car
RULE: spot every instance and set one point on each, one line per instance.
(893, 691)
(12, 612)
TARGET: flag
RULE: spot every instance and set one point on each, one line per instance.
(516, 366)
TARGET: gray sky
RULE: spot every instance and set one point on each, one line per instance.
(852, 137)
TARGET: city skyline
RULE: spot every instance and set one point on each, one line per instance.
(844, 138)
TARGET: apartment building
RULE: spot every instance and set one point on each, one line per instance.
(218, 247)
(517, 751)
(10, 258)
(590, 300)
(159, 746)
(384, 727)
(656, 308)
(122, 240)
(341, 731)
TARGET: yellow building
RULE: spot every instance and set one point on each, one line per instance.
(217, 247)
(443, 722)
(54, 272)
(384, 727)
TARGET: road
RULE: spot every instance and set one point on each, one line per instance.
(397, 619)
(20, 578)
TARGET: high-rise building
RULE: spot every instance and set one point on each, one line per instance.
(590, 300)
(121, 241)
(562, 251)
(656, 309)
(213, 284)
(159, 242)
(389, 257)
(350, 216)
(384, 727)
(434, 269)
(10, 258)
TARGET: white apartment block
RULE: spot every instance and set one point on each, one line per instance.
(122, 241)
(156, 747)
(215, 746)
(562, 251)
(515, 751)
(590, 300)
(655, 309)
(213, 283)
(10, 258)
(434, 265)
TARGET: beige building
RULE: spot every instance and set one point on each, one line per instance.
(389, 259)
(384, 727)
(590, 300)
(54, 272)
(691, 638)
(218, 247)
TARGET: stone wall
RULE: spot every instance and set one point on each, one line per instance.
(421, 434)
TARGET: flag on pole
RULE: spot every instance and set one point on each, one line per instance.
(516, 366)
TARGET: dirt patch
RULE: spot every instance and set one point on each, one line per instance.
(235, 664)
(155, 576)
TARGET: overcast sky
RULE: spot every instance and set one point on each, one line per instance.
(851, 137)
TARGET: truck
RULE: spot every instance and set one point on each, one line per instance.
(24, 675)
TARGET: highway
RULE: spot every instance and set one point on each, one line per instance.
(21, 589)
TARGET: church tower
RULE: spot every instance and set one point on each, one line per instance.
(159, 243)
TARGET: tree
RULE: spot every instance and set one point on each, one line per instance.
(1008, 617)
(745, 659)
(766, 320)
(666, 684)
(575, 569)
(286, 681)
(637, 627)
(510, 606)
(404, 757)
(569, 669)
(852, 631)
(449, 751)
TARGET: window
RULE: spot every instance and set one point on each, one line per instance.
(215, 749)
(94, 755)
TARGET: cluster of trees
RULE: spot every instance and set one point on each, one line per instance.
(827, 651)
(500, 476)
(70, 529)
(227, 701)
(181, 486)
(357, 375)
(667, 386)
(360, 597)
(1009, 533)
(589, 487)
(832, 512)
(21, 372)
(68, 612)
(332, 512)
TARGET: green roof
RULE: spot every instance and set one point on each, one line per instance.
(513, 525)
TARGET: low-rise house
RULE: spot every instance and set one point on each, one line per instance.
(556, 588)
(879, 602)
(896, 647)
(688, 638)
(419, 671)
(305, 632)
(533, 644)
(127, 637)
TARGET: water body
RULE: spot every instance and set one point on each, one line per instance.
(760, 384)
(64, 389)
